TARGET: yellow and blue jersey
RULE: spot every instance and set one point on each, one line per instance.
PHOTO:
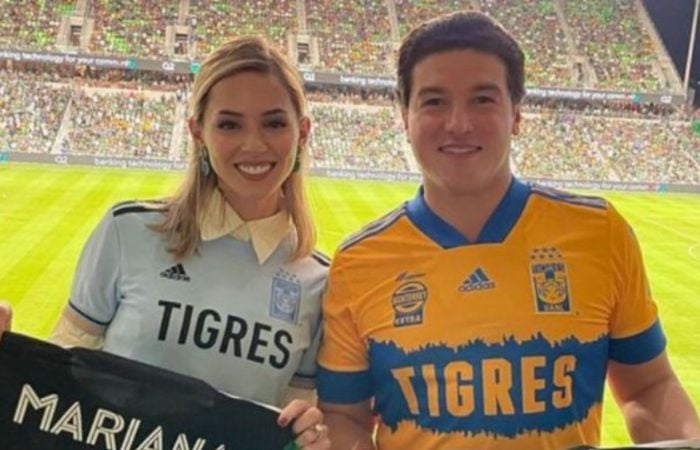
(500, 343)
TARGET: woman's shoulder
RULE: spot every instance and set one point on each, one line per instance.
(158, 206)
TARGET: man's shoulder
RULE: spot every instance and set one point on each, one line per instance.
(377, 228)
(550, 194)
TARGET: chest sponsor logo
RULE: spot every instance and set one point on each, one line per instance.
(176, 272)
(408, 276)
(477, 281)
(286, 297)
(550, 283)
(408, 302)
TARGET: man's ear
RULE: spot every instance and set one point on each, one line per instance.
(517, 118)
(404, 118)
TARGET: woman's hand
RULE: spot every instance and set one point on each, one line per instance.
(5, 317)
(311, 433)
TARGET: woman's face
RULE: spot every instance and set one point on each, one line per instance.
(252, 133)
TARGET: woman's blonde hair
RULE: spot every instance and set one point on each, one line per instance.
(182, 211)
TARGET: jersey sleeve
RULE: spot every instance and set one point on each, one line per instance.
(344, 375)
(95, 291)
(635, 331)
(305, 376)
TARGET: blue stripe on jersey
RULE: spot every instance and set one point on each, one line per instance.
(507, 213)
(76, 309)
(496, 229)
(639, 348)
(373, 228)
(582, 200)
(506, 389)
(344, 387)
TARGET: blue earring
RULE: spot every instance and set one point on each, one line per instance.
(204, 166)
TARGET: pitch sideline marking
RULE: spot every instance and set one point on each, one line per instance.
(691, 248)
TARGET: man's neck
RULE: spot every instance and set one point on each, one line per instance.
(466, 212)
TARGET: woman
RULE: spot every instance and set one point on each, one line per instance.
(219, 282)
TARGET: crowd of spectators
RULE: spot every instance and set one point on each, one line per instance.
(31, 113)
(31, 24)
(574, 146)
(52, 111)
(131, 28)
(120, 123)
(354, 37)
(216, 21)
(354, 96)
(535, 25)
(356, 137)
(357, 37)
(610, 34)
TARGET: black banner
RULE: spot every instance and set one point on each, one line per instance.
(78, 399)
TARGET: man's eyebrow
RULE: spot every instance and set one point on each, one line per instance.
(492, 87)
(430, 90)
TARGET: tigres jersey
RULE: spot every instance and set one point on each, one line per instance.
(219, 315)
(501, 343)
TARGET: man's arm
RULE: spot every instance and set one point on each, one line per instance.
(350, 426)
(652, 400)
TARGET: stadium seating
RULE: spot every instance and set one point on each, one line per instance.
(356, 137)
(131, 28)
(215, 21)
(535, 25)
(621, 53)
(121, 123)
(358, 37)
(32, 112)
(569, 145)
(28, 24)
(354, 36)
(86, 111)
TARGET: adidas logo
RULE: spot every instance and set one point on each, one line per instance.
(477, 281)
(176, 272)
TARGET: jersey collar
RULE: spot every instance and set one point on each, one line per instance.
(497, 227)
(219, 219)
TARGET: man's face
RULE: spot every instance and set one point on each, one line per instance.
(460, 120)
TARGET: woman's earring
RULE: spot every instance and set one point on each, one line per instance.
(204, 165)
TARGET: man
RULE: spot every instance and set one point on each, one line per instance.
(485, 313)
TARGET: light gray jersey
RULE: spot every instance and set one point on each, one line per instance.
(219, 315)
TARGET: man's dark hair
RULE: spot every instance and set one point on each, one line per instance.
(461, 31)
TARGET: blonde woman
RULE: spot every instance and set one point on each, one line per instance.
(219, 282)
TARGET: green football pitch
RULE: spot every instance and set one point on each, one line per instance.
(47, 212)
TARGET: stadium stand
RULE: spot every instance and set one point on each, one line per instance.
(131, 28)
(356, 137)
(81, 110)
(30, 24)
(215, 21)
(32, 112)
(535, 24)
(354, 36)
(619, 49)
